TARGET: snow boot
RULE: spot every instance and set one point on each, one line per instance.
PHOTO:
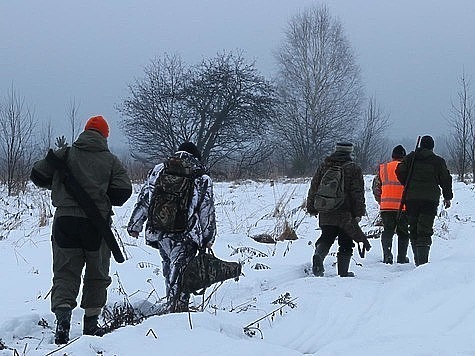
(321, 251)
(414, 252)
(422, 255)
(91, 327)
(402, 245)
(386, 244)
(63, 324)
(343, 263)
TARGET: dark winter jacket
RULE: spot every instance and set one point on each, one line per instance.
(98, 171)
(429, 175)
(354, 204)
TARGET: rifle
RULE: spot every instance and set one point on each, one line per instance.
(86, 203)
(406, 185)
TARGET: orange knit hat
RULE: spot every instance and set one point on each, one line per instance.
(98, 123)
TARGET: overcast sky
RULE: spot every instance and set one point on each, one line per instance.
(411, 52)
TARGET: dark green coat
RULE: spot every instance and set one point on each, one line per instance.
(97, 170)
(354, 205)
(429, 176)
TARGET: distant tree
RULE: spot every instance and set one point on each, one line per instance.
(16, 142)
(319, 87)
(222, 105)
(370, 141)
(46, 138)
(73, 118)
(461, 142)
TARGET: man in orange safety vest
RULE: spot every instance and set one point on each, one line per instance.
(388, 193)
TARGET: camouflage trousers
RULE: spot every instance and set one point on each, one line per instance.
(421, 215)
(175, 257)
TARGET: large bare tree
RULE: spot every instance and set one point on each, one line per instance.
(319, 85)
(16, 142)
(222, 105)
(155, 115)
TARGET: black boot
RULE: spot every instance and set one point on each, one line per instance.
(414, 252)
(343, 263)
(321, 251)
(386, 244)
(422, 255)
(91, 327)
(402, 245)
(63, 324)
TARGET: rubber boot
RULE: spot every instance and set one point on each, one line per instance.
(321, 251)
(63, 324)
(343, 264)
(402, 245)
(422, 254)
(91, 327)
(386, 244)
(414, 252)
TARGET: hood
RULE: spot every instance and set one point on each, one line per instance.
(90, 140)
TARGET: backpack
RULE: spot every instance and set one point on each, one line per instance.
(330, 194)
(171, 198)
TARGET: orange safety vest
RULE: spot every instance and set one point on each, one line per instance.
(391, 189)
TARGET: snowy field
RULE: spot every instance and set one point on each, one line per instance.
(276, 308)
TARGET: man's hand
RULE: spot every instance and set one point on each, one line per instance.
(358, 219)
(447, 203)
(133, 233)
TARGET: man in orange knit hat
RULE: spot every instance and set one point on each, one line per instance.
(76, 242)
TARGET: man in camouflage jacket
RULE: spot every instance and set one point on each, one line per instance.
(343, 221)
(76, 243)
(429, 176)
(177, 249)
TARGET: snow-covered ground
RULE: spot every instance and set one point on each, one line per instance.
(386, 310)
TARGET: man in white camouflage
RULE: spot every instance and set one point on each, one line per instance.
(177, 249)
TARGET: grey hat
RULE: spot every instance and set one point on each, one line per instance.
(344, 147)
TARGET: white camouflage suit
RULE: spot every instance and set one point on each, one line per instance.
(177, 249)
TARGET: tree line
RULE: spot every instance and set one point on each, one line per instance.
(245, 125)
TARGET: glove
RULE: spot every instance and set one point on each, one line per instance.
(133, 233)
(447, 203)
(358, 219)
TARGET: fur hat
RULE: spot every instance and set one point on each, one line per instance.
(99, 124)
(427, 142)
(398, 152)
(191, 149)
(344, 147)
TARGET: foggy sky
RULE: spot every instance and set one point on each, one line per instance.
(411, 53)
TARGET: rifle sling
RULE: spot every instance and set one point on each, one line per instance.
(86, 203)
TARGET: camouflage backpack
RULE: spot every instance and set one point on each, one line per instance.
(171, 198)
(330, 194)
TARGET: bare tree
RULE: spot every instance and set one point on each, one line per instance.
(370, 140)
(16, 142)
(46, 137)
(155, 115)
(73, 118)
(319, 85)
(461, 143)
(231, 107)
(222, 105)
